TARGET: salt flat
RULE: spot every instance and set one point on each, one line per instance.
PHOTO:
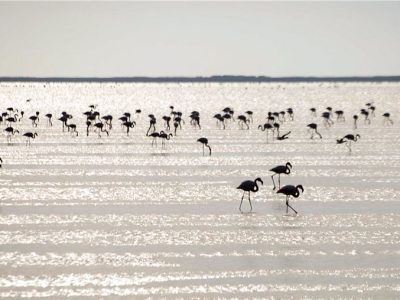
(113, 217)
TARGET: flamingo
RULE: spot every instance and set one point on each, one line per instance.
(10, 132)
(387, 119)
(366, 116)
(340, 116)
(167, 120)
(100, 127)
(355, 118)
(164, 137)
(290, 112)
(347, 139)
(220, 120)
(283, 137)
(250, 114)
(243, 120)
(278, 170)
(154, 135)
(313, 127)
(249, 186)
(73, 129)
(129, 125)
(29, 136)
(49, 116)
(204, 141)
(34, 119)
(290, 190)
(153, 122)
(267, 127)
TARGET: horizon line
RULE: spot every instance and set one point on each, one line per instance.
(213, 78)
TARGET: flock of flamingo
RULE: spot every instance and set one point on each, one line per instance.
(95, 123)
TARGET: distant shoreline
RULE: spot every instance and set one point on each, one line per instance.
(222, 79)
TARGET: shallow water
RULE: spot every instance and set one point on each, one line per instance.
(114, 217)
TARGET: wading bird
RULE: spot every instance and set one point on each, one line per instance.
(347, 139)
(387, 119)
(313, 128)
(49, 116)
(30, 136)
(204, 141)
(290, 190)
(267, 127)
(10, 132)
(278, 170)
(249, 186)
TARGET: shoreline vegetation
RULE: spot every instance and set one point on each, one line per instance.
(222, 79)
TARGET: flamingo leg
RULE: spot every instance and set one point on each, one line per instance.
(279, 181)
(288, 205)
(348, 145)
(251, 207)
(273, 181)
(240, 206)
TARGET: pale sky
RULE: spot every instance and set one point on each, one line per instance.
(105, 39)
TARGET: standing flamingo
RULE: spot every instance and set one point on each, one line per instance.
(128, 125)
(10, 132)
(347, 139)
(387, 119)
(278, 170)
(49, 116)
(290, 190)
(204, 141)
(100, 127)
(355, 118)
(249, 186)
(267, 127)
(164, 137)
(313, 127)
(29, 136)
(154, 135)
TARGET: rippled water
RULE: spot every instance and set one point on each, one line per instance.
(114, 217)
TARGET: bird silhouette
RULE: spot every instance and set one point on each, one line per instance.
(164, 137)
(348, 139)
(34, 119)
(283, 137)
(313, 128)
(49, 116)
(250, 114)
(10, 132)
(278, 170)
(290, 190)
(128, 125)
(72, 129)
(154, 135)
(153, 122)
(243, 121)
(100, 127)
(267, 127)
(1, 161)
(249, 186)
(30, 136)
(355, 118)
(387, 120)
(365, 113)
(204, 141)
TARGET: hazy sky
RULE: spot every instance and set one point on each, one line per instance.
(199, 38)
